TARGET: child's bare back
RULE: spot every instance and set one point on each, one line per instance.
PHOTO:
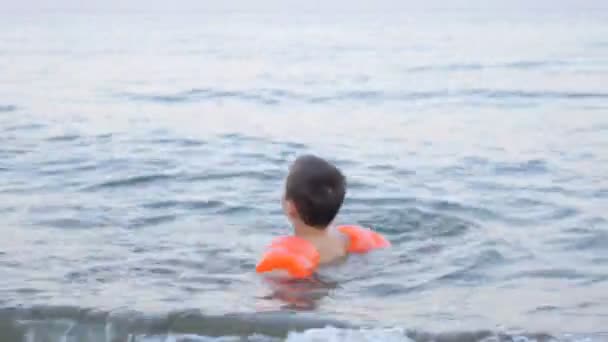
(331, 246)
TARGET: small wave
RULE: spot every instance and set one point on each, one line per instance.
(218, 207)
(520, 94)
(238, 137)
(68, 223)
(458, 208)
(207, 279)
(275, 97)
(52, 324)
(65, 161)
(24, 127)
(334, 334)
(558, 214)
(381, 201)
(292, 145)
(8, 108)
(550, 274)
(104, 136)
(539, 210)
(587, 239)
(545, 308)
(80, 324)
(185, 204)
(151, 221)
(350, 95)
(553, 189)
(264, 96)
(129, 181)
(423, 223)
(601, 193)
(470, 273)
(530, 64)
(64, 170)
(268, 175)
(65, 137)
(393, 170)
(359, 185)
(287, 147)
(278, 159)
(182, 142)
(448, 67)
(527, 167)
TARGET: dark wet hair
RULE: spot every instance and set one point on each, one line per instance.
(317, 189)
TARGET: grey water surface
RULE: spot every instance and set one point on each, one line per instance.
(142, 155)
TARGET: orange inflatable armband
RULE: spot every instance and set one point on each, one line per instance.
(292, 254)
(363, 240)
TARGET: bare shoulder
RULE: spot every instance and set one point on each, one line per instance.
(332, 247)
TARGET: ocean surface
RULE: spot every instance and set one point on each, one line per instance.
(142, 155)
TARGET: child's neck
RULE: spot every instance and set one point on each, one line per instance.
(305, 231)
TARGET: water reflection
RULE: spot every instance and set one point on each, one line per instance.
(299, 294)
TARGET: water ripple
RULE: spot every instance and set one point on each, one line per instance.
(24, 127)
(182, 142)
(553, 273)
(129, 182)
(228, 175)
(64, 137)
(152, 220)
(8, 108)
(219, 207)
(455, 67)
(185, 204)
(527, 167)
(472, 272)
(265, 97)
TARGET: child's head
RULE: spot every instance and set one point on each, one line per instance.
(314, 192)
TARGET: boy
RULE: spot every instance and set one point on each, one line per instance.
(314, 193)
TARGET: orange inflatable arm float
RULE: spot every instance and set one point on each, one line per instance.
(363, 240)
(292, 254)
(299, 258)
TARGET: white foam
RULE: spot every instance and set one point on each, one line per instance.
(199, 338)
(331, 334)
